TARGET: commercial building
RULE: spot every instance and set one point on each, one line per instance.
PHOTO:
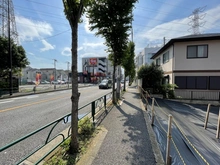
(95, 69)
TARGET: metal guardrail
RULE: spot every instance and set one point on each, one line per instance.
(91, 108)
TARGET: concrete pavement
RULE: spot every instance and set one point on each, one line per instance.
(126, 137)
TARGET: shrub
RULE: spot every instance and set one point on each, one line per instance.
(167, 90)
(86, 127)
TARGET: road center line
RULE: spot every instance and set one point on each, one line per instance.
(26, 105)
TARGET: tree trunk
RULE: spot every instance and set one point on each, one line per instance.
(125, 75)
(74, 145)
(113, 89)
(118, 91)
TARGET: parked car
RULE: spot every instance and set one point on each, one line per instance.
(54, 82)
(45, 82)
(105, 84)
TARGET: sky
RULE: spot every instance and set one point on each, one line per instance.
(45, 33)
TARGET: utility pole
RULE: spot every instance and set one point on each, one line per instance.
(68, 73)
(9, 53)
(132, 37)
(55, 72)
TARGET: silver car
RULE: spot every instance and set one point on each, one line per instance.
(105, 84)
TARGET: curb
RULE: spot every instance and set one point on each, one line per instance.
(93, 148)
(155, 145)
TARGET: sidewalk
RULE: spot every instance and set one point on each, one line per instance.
(5, 96)
(129, 138)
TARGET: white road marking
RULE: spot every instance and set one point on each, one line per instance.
(30, 97)
(2, 102)
(63, 91)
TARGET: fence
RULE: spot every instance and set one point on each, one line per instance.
(197, 95)
(173, 145)
(51, 135)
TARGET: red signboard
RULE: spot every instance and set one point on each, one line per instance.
(93, 61)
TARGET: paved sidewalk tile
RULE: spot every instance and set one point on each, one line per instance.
(127, 141)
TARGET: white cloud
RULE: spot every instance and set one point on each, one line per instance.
(47, 46)
(29, 30)
(211, 19)
(29, 53)
(87, 26)
(177, 28)
(93, 44)
(80, 48)
(66, 51)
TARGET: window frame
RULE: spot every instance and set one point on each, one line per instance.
(158, 62)
(213, 85)
(167, 59)
(192, 82)
(187, 51)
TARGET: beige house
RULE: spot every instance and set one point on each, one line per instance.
(193, 64)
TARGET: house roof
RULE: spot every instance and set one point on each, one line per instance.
(198, 37)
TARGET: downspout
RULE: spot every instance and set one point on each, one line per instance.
(173, 66)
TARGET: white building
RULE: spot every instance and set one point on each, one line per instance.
(96, 68)
(144, 57)
(29, 74)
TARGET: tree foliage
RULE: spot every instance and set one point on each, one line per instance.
(151, 75)
(112, 19)
(73, 10)
(128, 62)
(19, 59)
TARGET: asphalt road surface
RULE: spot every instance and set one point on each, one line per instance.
(22, 115)
(201, 146)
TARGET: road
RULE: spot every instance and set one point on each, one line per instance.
(22, 115)
(190, 118)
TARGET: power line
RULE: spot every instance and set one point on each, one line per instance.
(38, 11)
(45, 4)
(49, 37)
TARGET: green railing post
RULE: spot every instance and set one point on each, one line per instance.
(93, 111)
(105, 101)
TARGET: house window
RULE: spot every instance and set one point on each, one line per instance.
(191, 82)
(165, 57)
(214, 82)
(158, 61)
(197, 51)
(180, 81)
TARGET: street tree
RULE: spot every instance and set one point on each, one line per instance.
(19, 59)
(73, 10)
(112, 20)
(128, 63)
